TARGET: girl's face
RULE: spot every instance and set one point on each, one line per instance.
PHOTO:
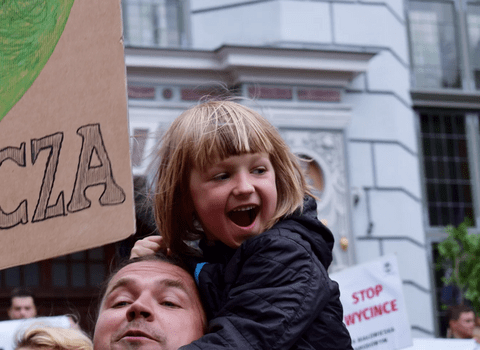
(235, 197)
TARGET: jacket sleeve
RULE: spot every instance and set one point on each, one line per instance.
(276, 288)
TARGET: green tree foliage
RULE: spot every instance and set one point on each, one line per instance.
(461, 252)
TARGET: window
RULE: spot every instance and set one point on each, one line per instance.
(64, 285)
(450, 146)
(446, 167)
(433, 40)
(154, 23)
(473, 26)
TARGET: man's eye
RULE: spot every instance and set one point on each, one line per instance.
(120, 303)
(170, 304)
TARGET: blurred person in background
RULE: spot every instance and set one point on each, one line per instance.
(22, 304)
(461, 322)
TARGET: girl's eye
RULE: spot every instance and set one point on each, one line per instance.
(220, 177)
(260, 170)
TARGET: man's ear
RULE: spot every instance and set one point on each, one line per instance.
(9, 312)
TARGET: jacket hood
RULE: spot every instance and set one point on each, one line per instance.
(306, 224)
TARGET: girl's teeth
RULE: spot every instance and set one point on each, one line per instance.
(244, 209)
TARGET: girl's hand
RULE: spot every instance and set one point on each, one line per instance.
(149, 245)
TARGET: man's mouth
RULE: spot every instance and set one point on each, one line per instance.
(244, 216)
(137, 334)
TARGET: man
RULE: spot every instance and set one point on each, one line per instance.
(149, 303)
(22, 305)
(461, 320)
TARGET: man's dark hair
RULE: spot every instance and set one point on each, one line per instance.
(21, 293)
(455, 311)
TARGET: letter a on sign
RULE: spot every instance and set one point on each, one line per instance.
(65, 175)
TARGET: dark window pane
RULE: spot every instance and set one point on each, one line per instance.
(78, 256)
(442, 170)
(96, 254)
(433, 214)
(445, 216)
(465, 170)
(97, 274)
(424, 125)
(462, 148)
(448, 125)
(12, 277)
(460, 124)
(426, 147)
(429, 169)
(435, 122)
(32, 275)
(455, 193)
(467, 194)
(443, 191)
(59, 274)
(469, 214)
(438, 147)
(431, 193)
(79, 275)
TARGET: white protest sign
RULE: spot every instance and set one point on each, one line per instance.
(443, 344)
(11, 330)
(373, 305)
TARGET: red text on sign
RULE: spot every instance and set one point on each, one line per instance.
(367, 293)
(371, 312)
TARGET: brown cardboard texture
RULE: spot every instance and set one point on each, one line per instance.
(65, 176)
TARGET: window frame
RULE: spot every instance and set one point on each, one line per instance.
(183, 21)
(462, 44)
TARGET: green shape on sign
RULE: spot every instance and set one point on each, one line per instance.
(29, 32)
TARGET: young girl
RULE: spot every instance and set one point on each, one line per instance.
(226, 177)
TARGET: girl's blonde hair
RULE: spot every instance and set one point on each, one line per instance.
(53, 338)
(207, 133)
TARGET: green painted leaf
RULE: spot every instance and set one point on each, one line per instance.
(29, 32)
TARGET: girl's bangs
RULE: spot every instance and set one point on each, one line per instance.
(229, 134)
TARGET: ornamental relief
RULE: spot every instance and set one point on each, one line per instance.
(327, 150)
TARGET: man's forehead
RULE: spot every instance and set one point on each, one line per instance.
(467, 314)
(151, 271)
(22, 300)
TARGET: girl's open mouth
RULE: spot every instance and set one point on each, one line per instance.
(245, 216)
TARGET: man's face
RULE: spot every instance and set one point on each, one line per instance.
(463, 327)
(22, 307)
(149, 305)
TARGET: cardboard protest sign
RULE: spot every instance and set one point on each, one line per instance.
(65, 178)
(373, 305)
(10, 331)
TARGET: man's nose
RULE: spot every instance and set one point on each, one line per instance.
(140, 308)
(243, 185)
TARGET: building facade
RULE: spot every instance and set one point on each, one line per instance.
(335, 78)
(380, 95)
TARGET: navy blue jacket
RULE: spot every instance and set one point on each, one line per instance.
(273, 292)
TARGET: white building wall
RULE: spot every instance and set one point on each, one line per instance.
(382, 152)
